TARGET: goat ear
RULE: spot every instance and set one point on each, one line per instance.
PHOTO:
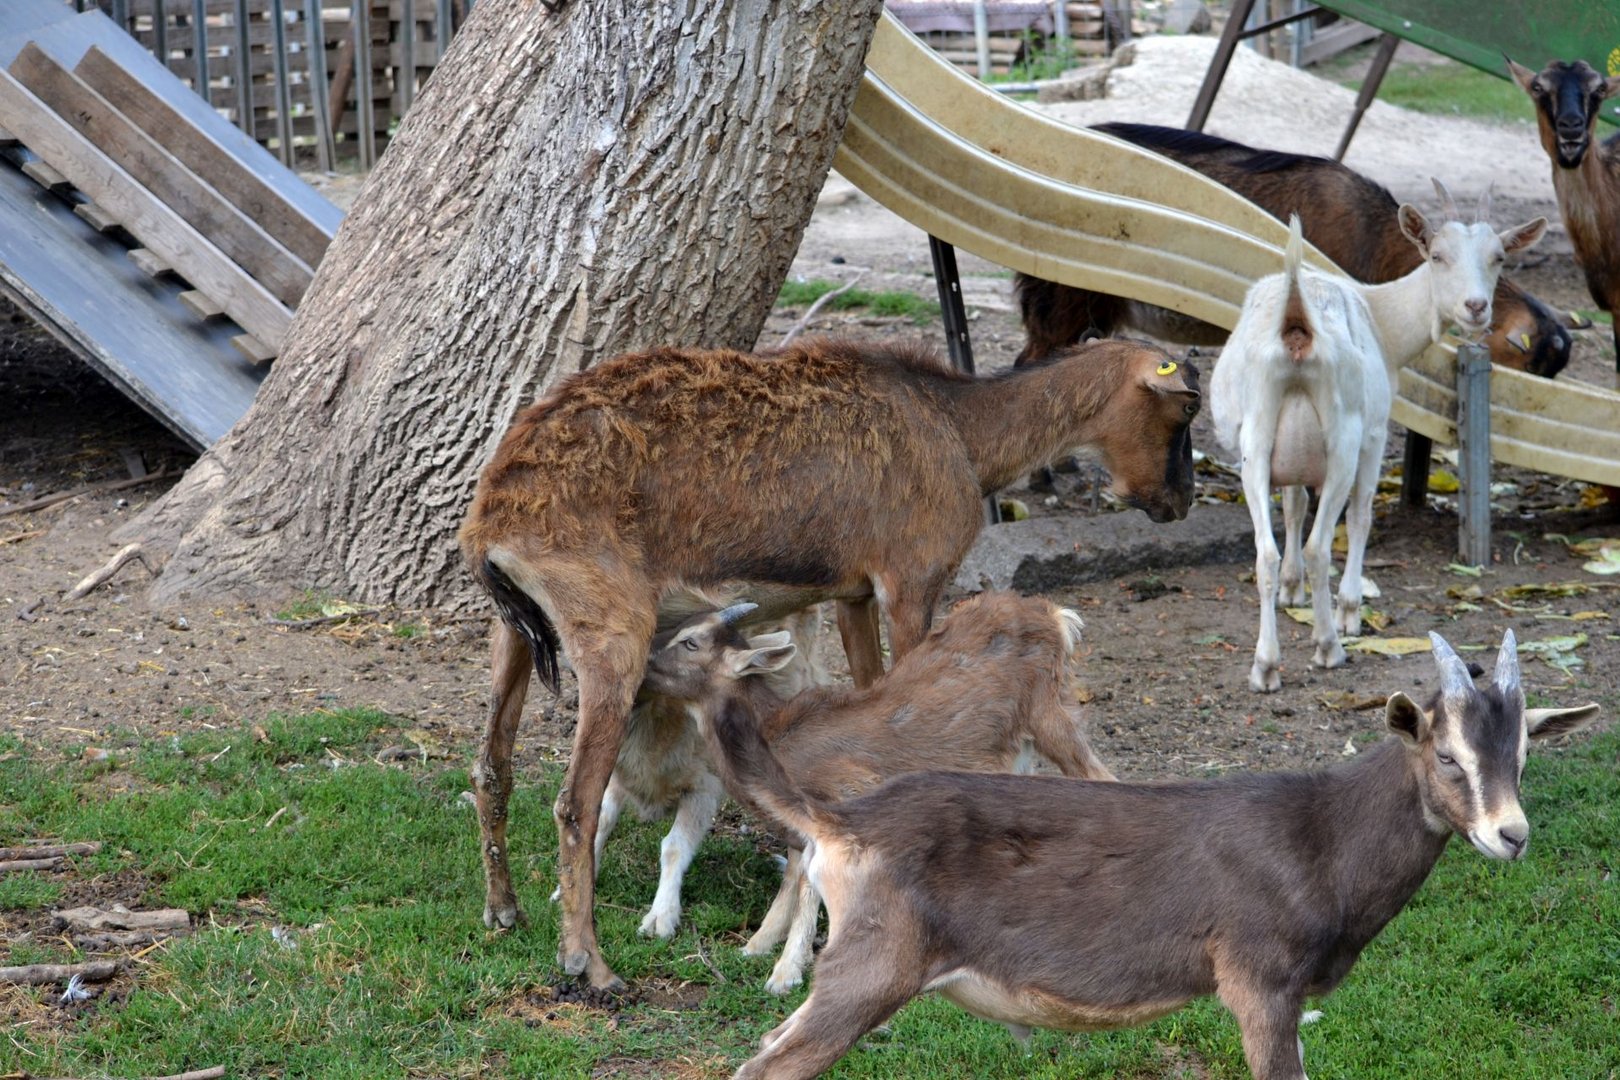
(1415, 227)
(1521, 74)
(1405, 718)
(1611, 87)
(1522, 237)
(1550, 723)
(746, 662)
(770, 641)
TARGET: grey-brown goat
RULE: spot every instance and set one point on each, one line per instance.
(994, 685)
(1048, 902)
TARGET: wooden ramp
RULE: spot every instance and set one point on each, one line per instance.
(1073, 206)
(156, 240)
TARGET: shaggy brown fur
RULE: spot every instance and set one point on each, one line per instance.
(831, 470)
(1050, 902)
(1348, 217)
(1569, 97)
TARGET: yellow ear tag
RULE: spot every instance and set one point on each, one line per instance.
(1524, 340)
(1167, 368)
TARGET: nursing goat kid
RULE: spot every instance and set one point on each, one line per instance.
(1057, 903)
(1351, 219)
(992, 687)
(1302, 393)
(830, 470)
(1569, 97)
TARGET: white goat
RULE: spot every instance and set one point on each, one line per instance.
(1303, 389)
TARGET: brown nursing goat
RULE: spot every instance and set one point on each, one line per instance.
(1568, 97)
(830, 470)
(994, 683)
(1049, 902)
(1350, 218)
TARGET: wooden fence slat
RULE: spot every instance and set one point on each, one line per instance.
(93, 116)
(205, 157)
(143, 214)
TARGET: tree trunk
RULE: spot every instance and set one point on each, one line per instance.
(566, 188)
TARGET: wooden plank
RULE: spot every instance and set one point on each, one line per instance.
(201, 305)
(254, 349)
(7, 138)
(149, 264)
(200, 153)
(45, 176)
(143, 214)
(98, 219)
(286, 276)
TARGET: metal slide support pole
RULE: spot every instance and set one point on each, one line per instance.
(1415, 471)
(1060, 25)
(1369, 89)
(284, 120)
(954, 313)
(405, 74)
(1474, 455)
(199, 49)
(1230, 36)
(365, 115)
(160, 32)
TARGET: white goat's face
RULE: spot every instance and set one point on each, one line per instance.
(1464, 260)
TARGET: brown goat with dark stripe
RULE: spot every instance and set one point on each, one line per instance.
(832, 470)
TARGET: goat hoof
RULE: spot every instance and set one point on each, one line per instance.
(505, 916)
(1264, 680)
(1292, 594)
(660, 924)
(782, 984)
(574, 963)
(602, 977)
(1326, 657)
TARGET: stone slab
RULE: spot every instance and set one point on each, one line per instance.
(1062, 550)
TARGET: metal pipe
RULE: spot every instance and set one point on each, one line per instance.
(244, 70)
(284, 120)
(319, 89)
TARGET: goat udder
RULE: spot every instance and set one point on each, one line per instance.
(1299, 456)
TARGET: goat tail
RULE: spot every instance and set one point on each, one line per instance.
(1298, 335)
(522, 613)
(749, 766)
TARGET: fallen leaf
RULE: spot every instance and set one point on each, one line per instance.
(1607, 560)
(1349, 701)
(1558, 652)
(1442, 482)
(1557, 588)
(1395, 646)
(1462, 570)
(1300, 615)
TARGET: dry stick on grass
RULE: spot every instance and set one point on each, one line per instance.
(213, 1072)
(112, 566)
(50, 851)
(305, 624)
(91, 918)
(15, 537)
(821, 302)
(33, 974)
(89, 489)
(9, 865)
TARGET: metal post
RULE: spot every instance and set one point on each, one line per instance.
(442, 30)
(199, 48)
(1415, 471)
(1369, 89)
(319, 89)
(244, 70)
(1218, 64)
(405, 74)
(1474, 455)
(160, 32)
(365, 118)
(1060, 25)
(284, 120)
(981, 37)
(954, 314)
(120, 14)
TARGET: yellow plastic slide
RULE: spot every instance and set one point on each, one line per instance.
(1070, 205)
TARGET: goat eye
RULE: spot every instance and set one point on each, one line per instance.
(690, 644)
(1438, 258)
(1444, 759)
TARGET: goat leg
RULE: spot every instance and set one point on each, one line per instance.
(1257, 444)
(801, 937)
(858, 627)
(693, 817)
(1296, 502)
(510, 664)
(773, 928)
(1269, 1022)
(1358, 523)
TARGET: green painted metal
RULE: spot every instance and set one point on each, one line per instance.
(1479, 32)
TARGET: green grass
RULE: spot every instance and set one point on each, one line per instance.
(1453, 89)
(1038, 64)
(895, 303)
(1493, 971)
(1594, 315)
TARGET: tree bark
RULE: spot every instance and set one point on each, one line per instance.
(566, 188)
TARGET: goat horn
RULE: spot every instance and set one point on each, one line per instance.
(1448, 205)
(732, 615)
(1484, 211)
(1506, 676)
(1455, 682)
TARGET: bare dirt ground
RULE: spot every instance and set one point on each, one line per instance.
(1169, 647)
